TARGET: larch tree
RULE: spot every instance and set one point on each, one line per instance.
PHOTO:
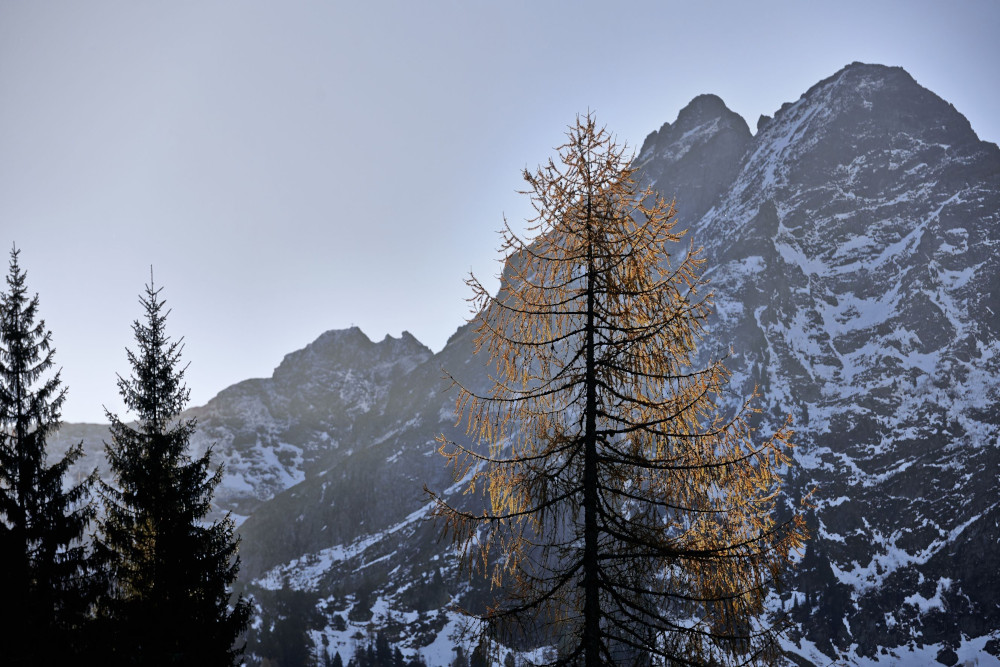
(629, 519)
(45, 571)
(171, 570)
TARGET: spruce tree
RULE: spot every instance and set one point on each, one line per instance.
(44, 566)
(171, 570)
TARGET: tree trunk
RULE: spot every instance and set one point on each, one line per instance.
(591, 583)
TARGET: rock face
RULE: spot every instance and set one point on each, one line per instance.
(274, 433)
(853, 245)
(696, 159)
(854, 259)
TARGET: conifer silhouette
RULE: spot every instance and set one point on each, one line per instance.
(45, 571)
(171, 570)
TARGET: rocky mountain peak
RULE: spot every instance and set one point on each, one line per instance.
(696, 155)
(875, 102)
(856, 141)
(858, 82)
(703, 109)
(350, 348)
(699, 121)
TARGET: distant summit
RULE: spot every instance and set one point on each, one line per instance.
(876, 98)
(349, 348)
(702, 116)
(686, 156)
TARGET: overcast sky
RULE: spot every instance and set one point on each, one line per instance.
(293, 167)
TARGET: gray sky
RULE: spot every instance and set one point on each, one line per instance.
(294, 167)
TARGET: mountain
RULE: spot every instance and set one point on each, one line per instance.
(854, 258)
(853, 245)
(276, 432)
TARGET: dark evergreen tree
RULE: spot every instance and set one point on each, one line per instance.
(44, 570)
(383, 651)
(460, 659)
(171, 571)
(480, 656)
